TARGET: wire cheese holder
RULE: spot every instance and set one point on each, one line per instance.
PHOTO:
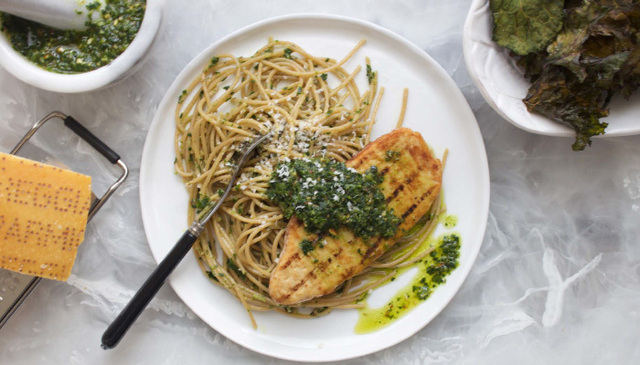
(23, 287)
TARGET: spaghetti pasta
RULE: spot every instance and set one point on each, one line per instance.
(316, 107)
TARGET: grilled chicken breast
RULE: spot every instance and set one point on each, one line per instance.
(412, 179)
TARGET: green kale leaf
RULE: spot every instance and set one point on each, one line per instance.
(629, 76)
(591, 31)
(594, 56)
(525, 26)
(557, 95)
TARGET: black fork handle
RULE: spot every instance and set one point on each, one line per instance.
(147, 291)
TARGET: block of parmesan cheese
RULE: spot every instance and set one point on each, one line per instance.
(43, 217)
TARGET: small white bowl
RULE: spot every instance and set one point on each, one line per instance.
(118, 69)
(503, 85)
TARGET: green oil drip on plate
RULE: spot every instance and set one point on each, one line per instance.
(450, 221)
(432, 271)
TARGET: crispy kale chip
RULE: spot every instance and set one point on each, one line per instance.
(526, 26)
(555, 95)
(594, 56)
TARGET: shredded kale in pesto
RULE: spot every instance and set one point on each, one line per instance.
(306, 246)
(421, 289)
(234, 267)
(326, 195)
(392, 156)
(201, 203)
(445, 258)
(371, 75)
(68, 51)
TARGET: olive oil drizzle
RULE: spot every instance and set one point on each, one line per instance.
(432, 272)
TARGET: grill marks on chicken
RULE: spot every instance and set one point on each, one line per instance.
(412, 180)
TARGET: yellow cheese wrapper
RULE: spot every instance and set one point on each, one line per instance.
(43, 217)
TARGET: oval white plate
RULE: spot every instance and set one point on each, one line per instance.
(503, 85)
(436, 108)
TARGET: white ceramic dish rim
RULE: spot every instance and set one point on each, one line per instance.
(119, 68)
(503, 90)
(237, 334)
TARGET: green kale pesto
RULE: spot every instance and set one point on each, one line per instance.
(306, 246)
(327, 195)
(432, 272)
(69, 52)
(201, 203)
(234, 267)
(392, 156)
(445, 258)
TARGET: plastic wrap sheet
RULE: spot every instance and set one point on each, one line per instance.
(557, 280)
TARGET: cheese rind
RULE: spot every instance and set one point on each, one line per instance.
(43, 216)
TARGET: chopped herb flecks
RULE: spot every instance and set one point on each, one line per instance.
(392, 156)
(183, 95)
(232, 265)
(68, 51)
(371, 75)
(306, 246)
(445, 258)
(201, 203)
(432, 272)
(326, 195)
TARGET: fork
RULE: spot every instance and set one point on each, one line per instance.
(148, 290)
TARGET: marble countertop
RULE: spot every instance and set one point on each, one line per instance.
(557, 280)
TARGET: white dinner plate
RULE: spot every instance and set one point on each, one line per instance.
(436, 108)
(504, 86)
